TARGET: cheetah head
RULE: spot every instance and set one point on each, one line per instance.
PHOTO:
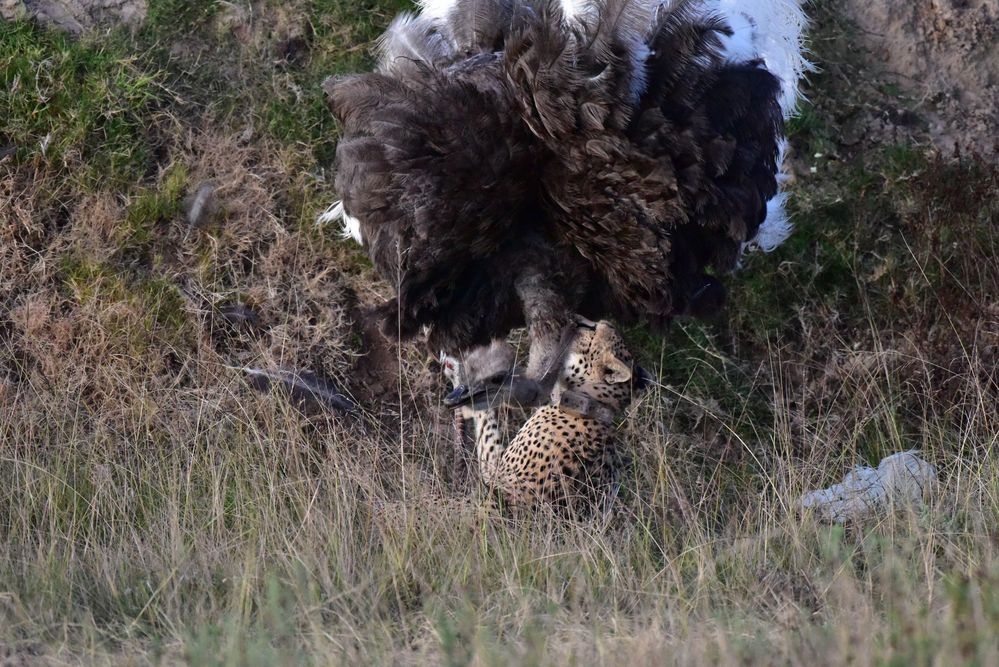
(599, 365)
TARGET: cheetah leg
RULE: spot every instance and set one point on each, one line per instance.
(489, 445)
(488, 436)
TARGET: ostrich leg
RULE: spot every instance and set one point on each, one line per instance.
(551, 328)
(549, 325)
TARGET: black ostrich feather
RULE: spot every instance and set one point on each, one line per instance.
(620, 161)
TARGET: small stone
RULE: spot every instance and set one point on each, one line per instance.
(901, 478)
(201, 206)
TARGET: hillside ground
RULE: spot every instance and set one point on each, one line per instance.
(154, 508)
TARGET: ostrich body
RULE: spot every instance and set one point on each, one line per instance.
(513, 162)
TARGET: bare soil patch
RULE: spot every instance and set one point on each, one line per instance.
(76, 16)
(946, 52)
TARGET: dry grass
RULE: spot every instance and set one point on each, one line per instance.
(204, 522)
(153, 508)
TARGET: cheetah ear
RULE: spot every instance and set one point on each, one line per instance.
(618, 372)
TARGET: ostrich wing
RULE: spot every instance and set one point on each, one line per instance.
(435, 165)
(654, 176)
(618, 153)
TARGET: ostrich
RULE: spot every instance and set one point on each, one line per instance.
(515, 162)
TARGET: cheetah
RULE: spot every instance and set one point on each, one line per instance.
(566, 453)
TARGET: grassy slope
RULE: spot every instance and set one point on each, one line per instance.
(153, 508)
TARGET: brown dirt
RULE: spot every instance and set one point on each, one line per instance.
(76, 16)
(945, 52)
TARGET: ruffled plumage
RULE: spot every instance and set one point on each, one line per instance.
(624, 151)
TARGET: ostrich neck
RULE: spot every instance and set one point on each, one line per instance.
(548, 319)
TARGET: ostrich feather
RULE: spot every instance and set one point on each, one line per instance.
(437, 10)
(479, 26)
(412, 41)
(623, 153)
(773, 31)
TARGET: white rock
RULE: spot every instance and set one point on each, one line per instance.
(901, 478)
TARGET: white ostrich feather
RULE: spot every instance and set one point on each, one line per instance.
(411, 38)
(351, 225)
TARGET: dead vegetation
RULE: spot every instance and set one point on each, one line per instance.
(155, 508)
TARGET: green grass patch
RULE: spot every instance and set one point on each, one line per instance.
(77, 109)
(342, 43)
(154, 308)
(173, 19)
(149, 210)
